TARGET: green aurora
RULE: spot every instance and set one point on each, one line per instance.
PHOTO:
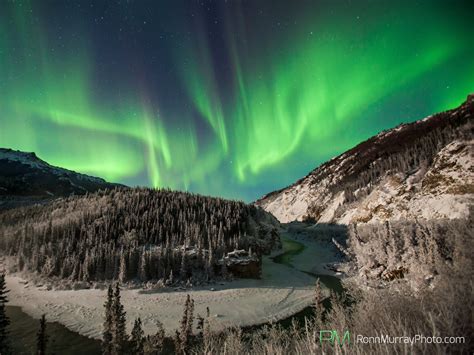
(255, 109)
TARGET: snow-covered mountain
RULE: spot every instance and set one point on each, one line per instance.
(24, 176)
(419, 170)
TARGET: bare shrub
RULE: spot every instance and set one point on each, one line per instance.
(445, 309)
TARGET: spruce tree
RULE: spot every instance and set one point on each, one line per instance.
(200, 325)
(4, 321)
(137, 339)
(125, 243)
(206, 335)
(41, 337)
(160, 336)
(122, 277)
(210, 263)
(119, 329)
(154, 343)
(190, 310)
(224, 271)
(170, 278)
(317, 301)
(178, 349)
(143, 270)
(183, 339)
(107, 337)
(183, 268)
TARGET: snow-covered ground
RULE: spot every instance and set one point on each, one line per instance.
(281, 292)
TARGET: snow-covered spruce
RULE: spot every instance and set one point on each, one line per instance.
(133, 235)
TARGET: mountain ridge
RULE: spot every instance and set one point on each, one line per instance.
(26, 178)
(327, 192)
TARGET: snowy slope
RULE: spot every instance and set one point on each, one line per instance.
(418, 170)
(24, 175)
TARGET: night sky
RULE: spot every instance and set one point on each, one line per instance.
(227, 98)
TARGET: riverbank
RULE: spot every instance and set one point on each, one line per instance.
(282, 292)
(309, 249)
(23, 329)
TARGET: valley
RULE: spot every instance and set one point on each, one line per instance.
(384, 226)
(286, 288)
(236, 177)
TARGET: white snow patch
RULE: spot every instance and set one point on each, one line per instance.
(282, 292)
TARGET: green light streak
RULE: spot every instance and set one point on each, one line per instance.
(307, 95)
(294, 98)
(201, 83)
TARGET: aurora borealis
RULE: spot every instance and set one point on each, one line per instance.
(228, 98)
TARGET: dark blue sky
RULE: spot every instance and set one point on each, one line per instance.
(229, 98)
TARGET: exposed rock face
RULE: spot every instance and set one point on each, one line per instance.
(241, 263)
(418, 170)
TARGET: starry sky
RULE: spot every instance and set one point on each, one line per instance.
(226, 98)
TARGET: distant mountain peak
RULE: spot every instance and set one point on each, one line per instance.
(25, 178)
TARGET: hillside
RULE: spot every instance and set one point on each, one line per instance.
(418, 170)
(25, 178)
(133, 235)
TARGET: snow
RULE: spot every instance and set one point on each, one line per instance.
(395, 196)
(296, 199)
(282, 292)
(241, 257)
(24, 158)
(439, 188)
(330, 210)
(442, 206)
